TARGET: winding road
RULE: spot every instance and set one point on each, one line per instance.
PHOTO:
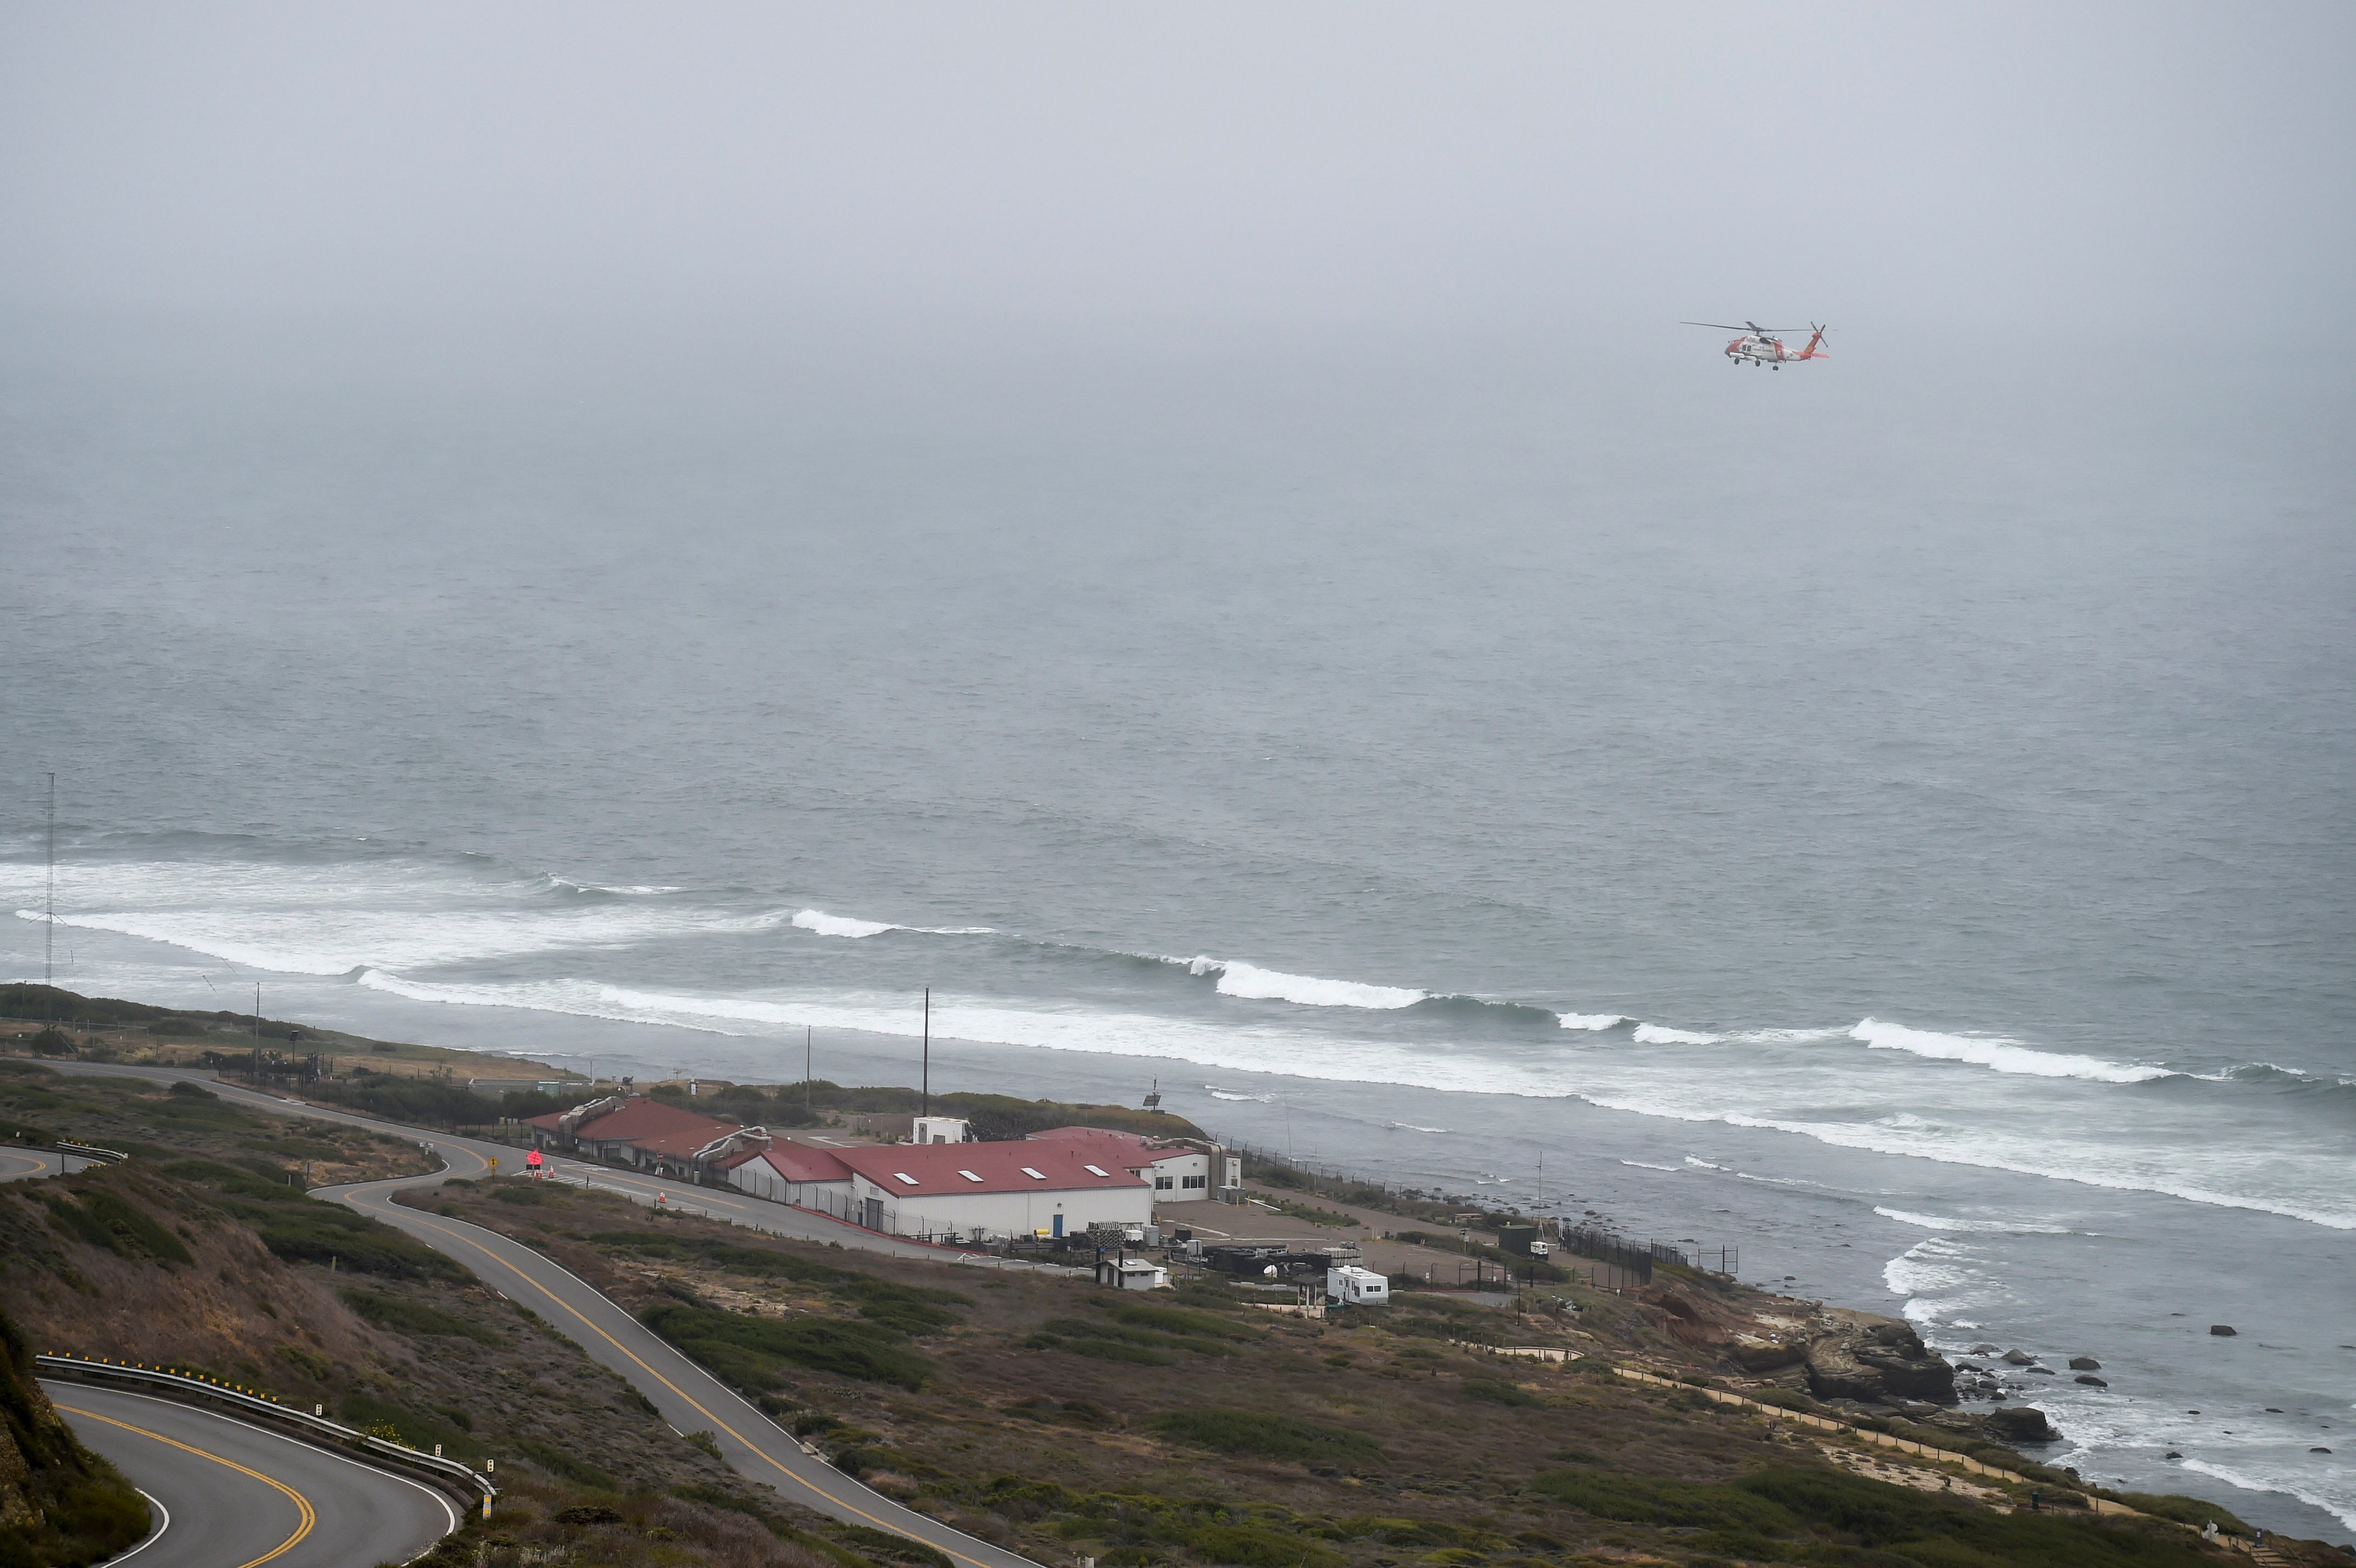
(224, 1494)
(690, 1398)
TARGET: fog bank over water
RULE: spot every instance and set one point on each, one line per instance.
(2174, 170)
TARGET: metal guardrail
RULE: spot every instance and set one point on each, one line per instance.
(86, 1151)
(449, 1473)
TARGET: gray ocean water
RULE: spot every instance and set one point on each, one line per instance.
(1891, 817)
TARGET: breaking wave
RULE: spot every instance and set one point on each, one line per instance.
(824, 924)
(2000, 1054)
(1590, 1021)
(1941, 1222)
(1252, 981)
(1657, 1034)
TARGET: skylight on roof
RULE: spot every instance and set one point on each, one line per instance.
(906, 1176)
(1096, 1170)
(968, 1176)
(1034, 1175)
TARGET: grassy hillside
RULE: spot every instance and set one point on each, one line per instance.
(60, 1505)
(1189, 1427)
(204, 1253)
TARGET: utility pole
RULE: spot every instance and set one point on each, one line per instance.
(929, 1050)
(49, 920)
(809, 1095)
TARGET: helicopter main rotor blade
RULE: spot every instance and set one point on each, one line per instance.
(1721, 325)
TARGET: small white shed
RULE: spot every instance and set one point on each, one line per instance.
(1131, 1274)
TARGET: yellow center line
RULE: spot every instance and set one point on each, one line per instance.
(693, 1403)
(309, 1516)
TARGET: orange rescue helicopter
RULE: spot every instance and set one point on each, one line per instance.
(1759, 346)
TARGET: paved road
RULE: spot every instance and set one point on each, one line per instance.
(690, 1398)
(19, 1163)
(471, 1157)
(228, 1495)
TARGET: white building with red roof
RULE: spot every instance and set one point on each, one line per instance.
(799, 1174)
(632, 1130)
(976, 1192)
(1177, 1172)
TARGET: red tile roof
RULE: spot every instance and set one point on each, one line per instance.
(801, 1162)
(1106, 1145)
(945, 1169)
(649, 1123)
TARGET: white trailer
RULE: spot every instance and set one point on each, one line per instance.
(1354, 1286)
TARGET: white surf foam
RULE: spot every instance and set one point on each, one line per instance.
(2267, 1180)
(826, 924)
(1657, 1034)
(1255, 1099)
(2339, 1503)
(327, 941)
(1590, 1021)
(1648, 1165)
(1941, 1222)
(1252, 982)
(1411, 1127)
(1928, 1275)
(1998, 1053)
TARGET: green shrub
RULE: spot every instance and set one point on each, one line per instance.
(310, 1363)
(311, 1232)
(1642, 1500)
(1176, 1320)
(1498, 1392)
(421, 1432)
(108, 1220)
(2194, 1511)
(1257, 1546)
(865, 1351)
(1102, 1349)
(885, 1543)
(565, 1466)
(529, 1195)
(766, 1262)
(1269, 1436)
(406, 1317)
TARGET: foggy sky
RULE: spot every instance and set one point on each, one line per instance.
(2034, 166)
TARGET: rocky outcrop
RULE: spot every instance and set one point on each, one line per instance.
(2020, 1423)
(2084, 1364)
(2223, 1331)
(1877, 1360)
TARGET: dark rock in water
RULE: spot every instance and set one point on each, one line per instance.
(2084, 1364)
(2021, 1423)
(2172, 1454)
(2222, 1330)
(2018, 1358)
(1969, 1367)
(2090, 1381)
(2319, 1450)
(1983, 1348)
(2040, 1372)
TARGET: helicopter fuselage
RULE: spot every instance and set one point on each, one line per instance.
(1764, 351)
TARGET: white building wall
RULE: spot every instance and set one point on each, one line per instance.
(1180, 1178)
(762, 1180)
(1009, 1213)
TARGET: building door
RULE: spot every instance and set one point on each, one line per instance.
(876, 1213)
(1059, 1225)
